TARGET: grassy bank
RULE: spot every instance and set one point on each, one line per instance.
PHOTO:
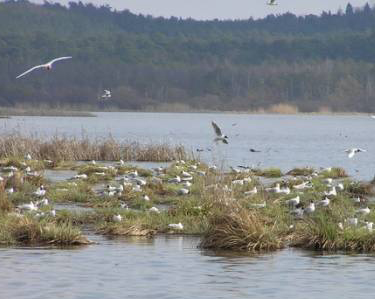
(231, 211)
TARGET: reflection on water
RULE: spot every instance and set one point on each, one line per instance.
(173, 267)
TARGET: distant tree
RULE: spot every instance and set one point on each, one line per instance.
(349, 10)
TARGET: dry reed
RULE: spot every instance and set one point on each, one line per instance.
(243, 231)
(61, 148)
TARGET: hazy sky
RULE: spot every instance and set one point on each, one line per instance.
(224, 9)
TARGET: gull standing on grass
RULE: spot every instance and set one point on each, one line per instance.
(219, 134)
(47, 66)
(352, 151)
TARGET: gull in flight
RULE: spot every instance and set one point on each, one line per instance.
(219, 134)
(47, 66)
(272, 2)
(107, 94)
(352, 151)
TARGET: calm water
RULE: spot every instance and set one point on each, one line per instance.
(284, 141)
(173, 267)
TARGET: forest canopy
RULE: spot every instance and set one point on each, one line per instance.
(311, 62)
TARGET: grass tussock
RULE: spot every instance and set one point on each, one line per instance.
(321, 233)
(360, 189)
(244, 231)
(60, 148)
(5, 204)
(269, 173)
(335, 173)
(29, 231)
(127, 230)
(306, 171)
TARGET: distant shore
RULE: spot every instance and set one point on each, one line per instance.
(8, 112)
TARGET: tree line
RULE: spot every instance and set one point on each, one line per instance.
(311, 62)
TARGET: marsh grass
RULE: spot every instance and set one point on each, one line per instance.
(61, 148)
(81, 193)
(215, 208)
(322, 233)
(243, 230)
(269, 173)
(5, 204)
(127, 168)
(306, 171)
(360, 188)
(335, 173)
(148, 223)
(26, 230)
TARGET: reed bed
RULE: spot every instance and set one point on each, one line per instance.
(61, 148)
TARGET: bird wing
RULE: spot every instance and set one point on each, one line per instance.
(351, 154)
(217, 129)
(58, 59)
(30, 70)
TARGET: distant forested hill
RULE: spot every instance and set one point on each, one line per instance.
(312, 62)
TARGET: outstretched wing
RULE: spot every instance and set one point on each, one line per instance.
(30, 70)
(217, 129)
(58, 59)
(351, 154)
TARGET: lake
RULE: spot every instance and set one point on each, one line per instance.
(173, 266)
(285, 141)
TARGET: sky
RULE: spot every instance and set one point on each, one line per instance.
(223, 9)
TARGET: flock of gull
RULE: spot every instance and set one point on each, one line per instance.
(133, 180)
